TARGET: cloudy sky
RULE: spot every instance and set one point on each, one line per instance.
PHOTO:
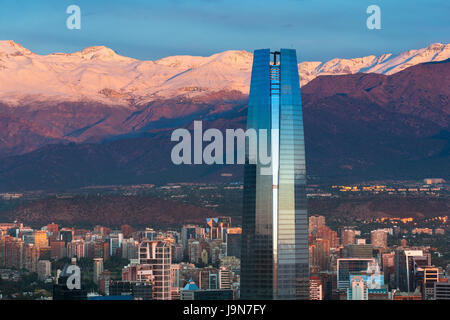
(149, 29)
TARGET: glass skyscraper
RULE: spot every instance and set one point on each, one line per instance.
(274, 259)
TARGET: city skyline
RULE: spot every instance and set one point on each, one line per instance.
(194, 262)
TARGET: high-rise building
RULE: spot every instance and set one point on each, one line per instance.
(130, 249)
(45, 253)
(98, 269)
(115, 242)
(31, 257)
(379, 238)
(194, 252)
(348, 236)
(189, 232)
(358, 251)
(206, 278)
(441, 291)
(213, 281)
(175, 275)
(75, 248)
(161, 270)
(234, 242)
(358, 289)
(204, 257)
(388, 263)
(157, 255)
(430, 276)
(44, 269)
(11, 252)
(320, 254)
(315, 288)
(225, 278)
(40, 238)
(216, 227)
(57, 249)
(315, 222)
(145, 252)
(66, 235)
(53, 228)
(105, 282)
(405, 262)
(323, 232)
(98, 249)
(274, 257)
(138, 272)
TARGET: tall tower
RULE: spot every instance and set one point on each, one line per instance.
(274, 259)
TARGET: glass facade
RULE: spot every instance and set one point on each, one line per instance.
(274, 259)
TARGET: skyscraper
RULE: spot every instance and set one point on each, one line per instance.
(358, 289)
(161, 270)
(379, 238)
(157, 256)
(40, 238)
(275, 222)
(98, 269)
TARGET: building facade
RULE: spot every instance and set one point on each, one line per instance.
(275, 221)
(379, 238)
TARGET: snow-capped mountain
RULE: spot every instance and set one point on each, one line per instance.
(100, 74)
(97, 118)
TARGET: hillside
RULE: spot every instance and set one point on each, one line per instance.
(106, 210)
(116, 210)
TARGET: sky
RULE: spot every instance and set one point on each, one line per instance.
(149, 29)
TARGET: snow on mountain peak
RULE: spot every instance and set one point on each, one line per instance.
(9, 47)
(98, 52)
(191, 62)
(99, 73)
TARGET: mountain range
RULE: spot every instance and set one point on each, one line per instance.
(102, 75)
(96, 117)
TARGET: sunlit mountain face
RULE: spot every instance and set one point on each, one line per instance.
(102, 75)
(376, 116)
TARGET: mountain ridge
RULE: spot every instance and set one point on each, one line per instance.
(99, 74)
(358, 127)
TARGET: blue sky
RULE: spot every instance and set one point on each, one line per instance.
(148, 29)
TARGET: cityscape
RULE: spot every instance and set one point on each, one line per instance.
(224, 159)
(357, 258)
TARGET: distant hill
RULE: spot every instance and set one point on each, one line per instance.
(105, 210)
(116, 210)
(380, 206)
